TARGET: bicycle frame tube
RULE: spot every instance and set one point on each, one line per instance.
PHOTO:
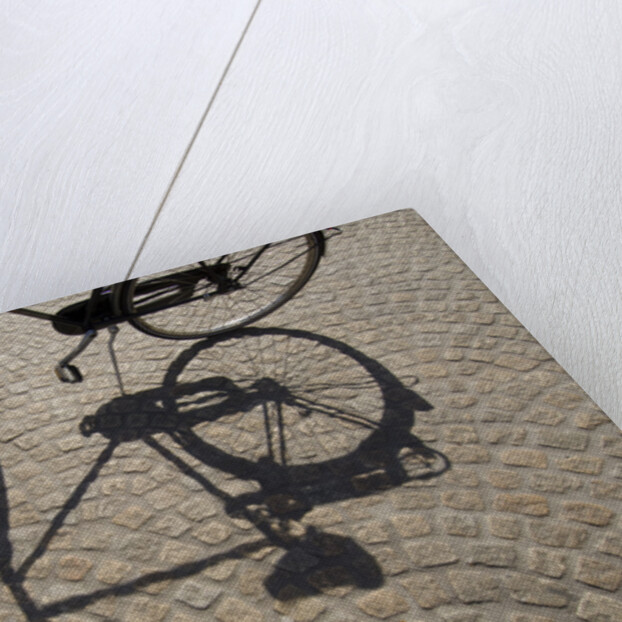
(84, 323)
(91, 303)
(45, 316)
(96, 294)
(90, 307)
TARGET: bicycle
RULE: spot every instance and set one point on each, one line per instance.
(197, 301)
(301, 420)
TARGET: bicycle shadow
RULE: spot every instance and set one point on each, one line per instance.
(314, 561)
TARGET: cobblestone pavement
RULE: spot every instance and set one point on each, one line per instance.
(434, 462)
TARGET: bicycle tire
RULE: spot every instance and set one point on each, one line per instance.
(175, 320)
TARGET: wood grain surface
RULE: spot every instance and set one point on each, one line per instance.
(499, 122)
(98, 102)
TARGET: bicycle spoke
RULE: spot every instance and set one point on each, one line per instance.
(246, 285)
(197, 288)
(336, 412)
(168, 277)
(281, 428)
(146, 299)
(267, 427)
(267, 276)
(311, 388)
(275, 421)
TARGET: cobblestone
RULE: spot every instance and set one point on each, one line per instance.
(463, 477)
(547, 562)
(431, 553)
(301, 610)
(590, 421)
(590, 465)
(545, 416)
(372, 533)
(515, 362)
(525, 524)
(612, 446)
(461, 616)
(459, 525)
(147, 610)
(576, 441)
(461, 434)
(606, 490)
(427, 592)
(415, 500)
(463, 500)
(509, 435)
(554, 482)
(73, 568)
(525, 458)
(533, 591)
(132, 517)
(505, 527)
(412, 526)
(475, 586)
(522, 503)
(598, 608)
(212, 532)
(494, 555)
(197, 595)
(611, 544)
(506, 480)
(390, 561)
(112, 571)
(589, 513)
(468, 455)
(558, 535)
(382, 604)
(232, 609)
(599, 574)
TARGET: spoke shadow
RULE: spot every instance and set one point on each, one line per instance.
(8, 574)
(385, 456)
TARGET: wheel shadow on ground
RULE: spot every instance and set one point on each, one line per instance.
(329, 425)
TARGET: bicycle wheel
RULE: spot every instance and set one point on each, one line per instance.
(219, 295)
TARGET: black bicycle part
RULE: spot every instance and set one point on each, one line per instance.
(86, 313)
(68, 373)
(138, 298)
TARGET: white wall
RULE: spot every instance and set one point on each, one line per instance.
(498, 121)
(98, 102)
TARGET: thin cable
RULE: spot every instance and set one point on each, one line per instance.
(113, 333)
(191, 143)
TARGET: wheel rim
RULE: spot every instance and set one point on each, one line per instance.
(277, 272)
